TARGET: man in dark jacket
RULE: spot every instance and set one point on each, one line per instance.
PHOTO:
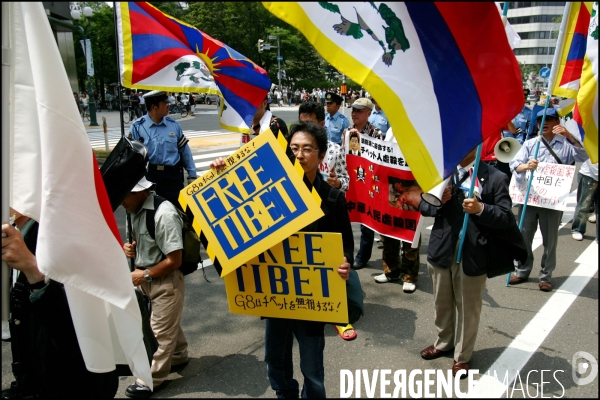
(458, 287)
(46, 358)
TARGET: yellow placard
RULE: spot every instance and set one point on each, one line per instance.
(249, 206)
(295, 279)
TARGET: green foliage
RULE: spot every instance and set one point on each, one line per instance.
(101, 32)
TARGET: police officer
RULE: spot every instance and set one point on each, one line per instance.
(168, 148)
(521, 122)
(378, 118)
(335, 122)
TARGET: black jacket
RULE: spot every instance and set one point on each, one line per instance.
(493, 238)
(45, 344)
(335, 220)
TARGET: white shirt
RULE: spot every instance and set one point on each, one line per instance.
(589, 169)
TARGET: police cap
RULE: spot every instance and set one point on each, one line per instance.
(550, 113)
(156, 96)
(331, 97)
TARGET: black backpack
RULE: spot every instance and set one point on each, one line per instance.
(191, 243)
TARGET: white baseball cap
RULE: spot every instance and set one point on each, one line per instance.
(143, 184)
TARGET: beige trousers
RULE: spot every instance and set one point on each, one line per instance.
(458, 299)
(167, 295)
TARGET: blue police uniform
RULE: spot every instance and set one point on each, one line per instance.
(379, 120)
(335, 126)
(521, 121)
(168, 153)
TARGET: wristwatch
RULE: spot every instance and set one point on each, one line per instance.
(147, 276)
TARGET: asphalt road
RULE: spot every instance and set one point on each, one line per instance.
(524, 333)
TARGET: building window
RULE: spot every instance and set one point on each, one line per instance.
(530, 51)
(538, 35)
(532, 18)
(527, 4)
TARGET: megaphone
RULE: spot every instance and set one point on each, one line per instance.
(434, 196)
(506, 149)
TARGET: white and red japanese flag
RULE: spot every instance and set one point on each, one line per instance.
(56, 181)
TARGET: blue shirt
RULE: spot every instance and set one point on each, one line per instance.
(335, 126)
(520, 122)
(561, 146)
(161, 140)
(380, 121)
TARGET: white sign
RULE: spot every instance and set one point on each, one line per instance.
(87, 50)
(550, 188)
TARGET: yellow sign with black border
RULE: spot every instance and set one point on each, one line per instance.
(296, 279)
(249, 206)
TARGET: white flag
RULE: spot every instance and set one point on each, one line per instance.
(87, 50)
(56, 181)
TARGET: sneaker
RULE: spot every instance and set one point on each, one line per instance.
(383, 278)
(592, 218)
(358, 265)
(6, 335)
(409, 287)
(577, 235)
(138, 391)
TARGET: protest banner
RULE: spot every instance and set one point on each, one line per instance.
(249, 206)
(297, 279)
(383, 193)
(550, 187)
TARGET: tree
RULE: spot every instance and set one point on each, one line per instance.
(102, 36)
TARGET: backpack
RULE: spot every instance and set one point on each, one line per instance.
(191, 243)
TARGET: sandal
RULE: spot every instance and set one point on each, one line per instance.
(342, 329)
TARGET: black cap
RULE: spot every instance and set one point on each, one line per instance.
(333, 97)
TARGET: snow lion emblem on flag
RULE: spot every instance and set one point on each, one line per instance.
(394, 32)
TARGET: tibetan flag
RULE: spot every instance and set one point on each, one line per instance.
(159, 52)
(55, 180)
(444, 73)
(570, 51)
(586, 109)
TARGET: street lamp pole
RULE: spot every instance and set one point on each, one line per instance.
(92, 103)
(278, 61)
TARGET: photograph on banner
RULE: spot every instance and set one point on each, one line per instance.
(383, 193)
(296, 279)
(550, 187)
(249, 206)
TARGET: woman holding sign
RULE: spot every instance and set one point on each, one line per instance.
(308, 142)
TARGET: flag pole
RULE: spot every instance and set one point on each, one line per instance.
(6, 167)
(463, 231)
(120, 97)
(119, 87)
(551, 79)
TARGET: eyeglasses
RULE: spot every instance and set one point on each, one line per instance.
(305, 150)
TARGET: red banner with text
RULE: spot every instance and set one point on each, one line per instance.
(383, 193)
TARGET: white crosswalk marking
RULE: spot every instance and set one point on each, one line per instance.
(114, 134)
(202, 161)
